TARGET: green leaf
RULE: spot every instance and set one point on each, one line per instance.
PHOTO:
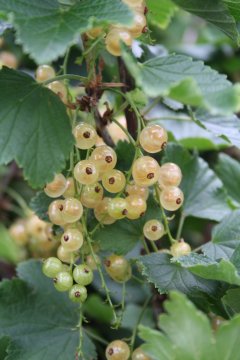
(171, 76)
(228, 171)
(204, 194)
(207, 268)
(227, 340)
(39, 204)
(233, 7)
(225, 238)
(125, 154)
(34, 127)
(187, 328)
(8, 249)
(161, 13)
(231, 301)
(131, 315)
(4, 343)
(156, 344)
(33, 314)
(216, 12)
(58, 27)
(96, 309)
(167, 276)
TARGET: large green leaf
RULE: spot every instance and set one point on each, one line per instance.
(207, 268)
(34, 127)
(218, 12)
(203, 191)
(58, 27)
(161, 12)
(228, 170)
(227, 340)
(225, 237)
(41, 322)
(185, 80)
(231, 301)
(166, 275)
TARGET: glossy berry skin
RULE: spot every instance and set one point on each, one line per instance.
(92, 264)
(72, 211)
(72, 240)
(118, 268)
(105, 158)
(180, 248)
(94, 32)
(86, 172)
(36, 227)
(114, 181)
(101, 212)
(70, 188)
(78, 293)
(153, 230)
(64, 255)
(55, 212)
(85, 136)
(51, 267)
(57, 187)
(117, 350)
(8, 59)
(114, 38)
(171, 198)
(145, 171)
(45, 72)
(83, 275)
(18, 231)
(117, 208)
(63, 281)
(92, 195)
(59, 89)
(134, 189)
(153, 138)
(140, 22)
(170, 175)
(139, 354)
(136, 207)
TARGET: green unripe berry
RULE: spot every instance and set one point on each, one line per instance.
(51, 267)
(78, 293)
(180, 248)
(63, 281)
(83, 275)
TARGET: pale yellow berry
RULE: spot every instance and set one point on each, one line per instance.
(153, 230)
(101, 212)
(45, 72)
(114, 38)
(180, 248)
(136, 207)
(59, 89)
(171, 198)
(170, 175)
(153, 138)
(145, 171)
(85, 136)
(56, 187)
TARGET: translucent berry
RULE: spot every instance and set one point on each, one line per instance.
(101, 212)
(64, 255)
(94, 32)
(139, 24)
(117, 208)
(51, 267)
(92, 195)
(45, 72)
(59, 89)
(153, 230)
(36, 227)
(117, 350)
(136, 207)
(92, 263)
(78, 293)
(180, 248)
(18, 231)
(56, 187)
(171, 198)
(114, 38)
(170, 175)
(72, 239)
(145, 171)
(153, 138)
(105, 158)
(118, 268)
(133, 189)
(72, 211)
(86, 172)
(139, 354)
(85, 136)
(114, 181)
(8, 59)
(70, 188)
(63, 281)
(55, 212)
(83, 275)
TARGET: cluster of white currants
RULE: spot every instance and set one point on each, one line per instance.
(119, 350)
(118, 33)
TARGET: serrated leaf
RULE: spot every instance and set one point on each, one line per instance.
(8, 249)
(204, 195)
(33, 313)
(161, 12)
(39, 204)
(207, 268)
(228, 171)
(187, 328)
(216, 12)
(167, 276)
(34, 127)
(227, 340)
(167, 76)
(58, 27)
(225, 238)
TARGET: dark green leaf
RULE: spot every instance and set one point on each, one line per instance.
(227, 340)
(4, 343)
(125, 154)
(39, 204)
(34, 127)
(231, 301)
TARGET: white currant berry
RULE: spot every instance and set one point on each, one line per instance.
(56, 187)
(64, 255)
(18, 232)
(72, 211)
(8, 59)
(83, 275)
(170, 175)
(59, 89)
(94, 32)
(36, 227)
(85, 136)
(139, 354)
(55, 212)
(51, 267)
(117, 350)
(105, 158)
(145, 171)
(153, 230)
(114, 181)
(63, 281)
(92, 195)
(70, 188)
(134, 189)
(153, 138)
(45, 72)
(117, 208)
(72, 239)
(101, 212)
(139, 23)
(86, 172)
(171, 198)
(114, 38)
(118, 268)
(136, 207)
(92, 262)
(78, 293)
(180, 248)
